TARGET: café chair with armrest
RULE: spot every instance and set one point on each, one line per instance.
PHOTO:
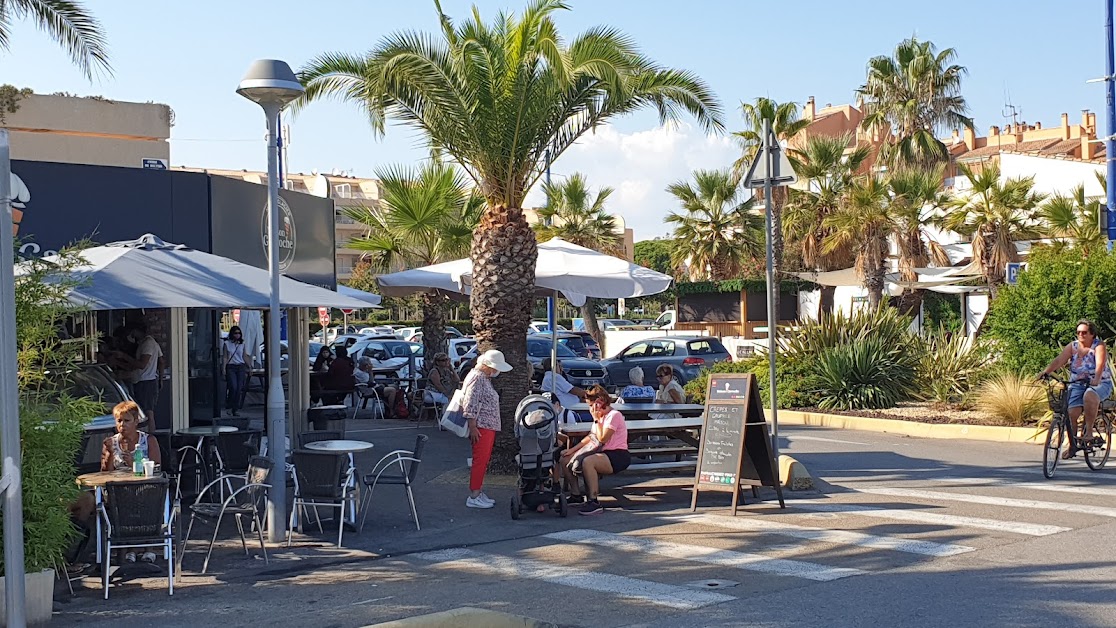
(246, 502)
(137, 515)
(320, 483)
(407, 463)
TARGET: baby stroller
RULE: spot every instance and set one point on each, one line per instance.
(536, 429)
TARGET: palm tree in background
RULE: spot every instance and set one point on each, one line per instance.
(575, 215)
(785, 123)
(500, 98)
(863, 223)
(910, 96)
(916, 195)
(718, 232)
(995, 215)
(1074, 220)
(68, 23)
(426, 216)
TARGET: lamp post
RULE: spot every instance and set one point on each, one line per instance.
(272, 85)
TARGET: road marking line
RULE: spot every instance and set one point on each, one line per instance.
(706, 555)
(839, 537)
(654, 592)
(794, 437)
(1007, 502)
(921, 516)
(1032, 486)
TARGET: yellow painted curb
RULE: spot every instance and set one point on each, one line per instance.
(912, 428)
(793, 475)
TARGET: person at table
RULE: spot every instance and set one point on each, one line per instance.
(481, 407)
(118, 452)
(235, 358)
(608, 439)
(340, 373)
(567, 394)
(443, 381)
(669, 392)
(636, 391)
(322, 362)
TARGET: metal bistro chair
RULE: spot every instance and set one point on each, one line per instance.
(361, 394)
(135, 515)
(419, 406)
(408, 462)
(245, 502)
(320, 482)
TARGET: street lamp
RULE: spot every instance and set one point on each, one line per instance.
(272, 85)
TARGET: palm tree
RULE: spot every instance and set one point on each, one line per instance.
(425, 217)
(995, 215)
(826, 168)
(863, 223)
(910, 96)
(500, 99)
(785, 123)
(718, 232)
(573, 214)
(1075, 220)
(68, 23)
(915, 195)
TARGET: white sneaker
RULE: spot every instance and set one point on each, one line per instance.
(486, 498)
(476, 502)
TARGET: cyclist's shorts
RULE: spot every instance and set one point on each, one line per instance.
(1077, 392)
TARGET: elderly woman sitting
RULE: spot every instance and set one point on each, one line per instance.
(443, 380)
(636, 391)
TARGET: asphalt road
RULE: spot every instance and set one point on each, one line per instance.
(906, 532)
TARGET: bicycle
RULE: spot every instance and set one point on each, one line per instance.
(1096, 450)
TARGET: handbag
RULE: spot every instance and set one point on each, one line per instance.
(578, 459)
(453, 419)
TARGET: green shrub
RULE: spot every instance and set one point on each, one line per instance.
(1014, 399)
(813, 338)
(950, 365)
(870, 373)
(1036, 317)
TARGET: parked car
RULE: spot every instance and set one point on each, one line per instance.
(378, 330)
(666, 320)
(451, 333)
(345, 340)
(391, 354)
(405, 333)
(590, 344)
(461, 349)
(580, 372)
(542, 327)
(687, 354)
(573, 341)
(611, 324)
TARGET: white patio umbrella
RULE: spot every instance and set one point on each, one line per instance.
(150, 273)
(372, 299)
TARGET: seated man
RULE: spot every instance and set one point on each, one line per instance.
(636, 391)
(566, 393)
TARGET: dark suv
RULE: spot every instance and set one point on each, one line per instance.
(579, 371)
(687, 354)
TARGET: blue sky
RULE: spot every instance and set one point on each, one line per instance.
(191, 55)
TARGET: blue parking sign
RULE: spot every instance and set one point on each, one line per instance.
(1013, 270)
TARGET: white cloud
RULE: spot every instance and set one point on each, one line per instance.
(640, 165)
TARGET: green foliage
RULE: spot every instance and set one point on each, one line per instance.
(1036, 317)
(695, 388)
(950, 365)
(942, 310)
(10, 97)
(51, 421)
(816, 337)
(1012, 398)
(654, 254)
(866, 374)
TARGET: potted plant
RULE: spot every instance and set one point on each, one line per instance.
(51, 425)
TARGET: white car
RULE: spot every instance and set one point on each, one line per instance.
(379, 330)
(542, 327)
(460, 350)
(405, 333)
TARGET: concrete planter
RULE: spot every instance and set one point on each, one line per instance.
(40, 597)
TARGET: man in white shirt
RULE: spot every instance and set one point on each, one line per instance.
(149, 364)
(553, 380)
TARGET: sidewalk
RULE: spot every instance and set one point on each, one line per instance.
(237, 583)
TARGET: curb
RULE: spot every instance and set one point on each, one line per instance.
(793, 475)
(466, 616)
(991, 433)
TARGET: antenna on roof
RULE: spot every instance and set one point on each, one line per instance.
(1010, 111)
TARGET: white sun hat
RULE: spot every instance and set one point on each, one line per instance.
(494, 359)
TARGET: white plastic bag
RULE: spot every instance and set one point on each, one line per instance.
(453, 419)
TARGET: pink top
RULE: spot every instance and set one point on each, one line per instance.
(615, 420)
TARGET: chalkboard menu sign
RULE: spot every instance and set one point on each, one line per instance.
(735, 444)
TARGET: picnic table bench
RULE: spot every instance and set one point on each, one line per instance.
(683, 430)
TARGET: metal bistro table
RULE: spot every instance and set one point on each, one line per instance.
(344, 447)
(97, 482)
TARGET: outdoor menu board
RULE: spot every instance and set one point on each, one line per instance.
(735, 445)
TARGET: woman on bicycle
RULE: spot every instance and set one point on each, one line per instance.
(1090, 380)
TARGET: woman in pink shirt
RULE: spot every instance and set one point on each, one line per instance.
(610, 437)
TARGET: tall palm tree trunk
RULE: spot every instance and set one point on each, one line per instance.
(433, 326)
(778, 199)
(589, 315)
(504, 254)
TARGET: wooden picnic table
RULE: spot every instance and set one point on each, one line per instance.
(685, 430)
(642, 411)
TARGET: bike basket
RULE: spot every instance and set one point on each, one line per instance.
(1056, 396)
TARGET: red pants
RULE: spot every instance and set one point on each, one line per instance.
(482, 453)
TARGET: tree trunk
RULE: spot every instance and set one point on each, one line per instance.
(589, 314)
(911, 301)
(504, 254)
(433, 326)
(874, 282)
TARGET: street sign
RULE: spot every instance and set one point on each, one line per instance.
(782, 172)
(152, 163)
(323, 316)
(1013, 270)
(346, 311)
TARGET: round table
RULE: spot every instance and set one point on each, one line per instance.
(100, 478)
(206, 430)
(340, 446)
(210, 456)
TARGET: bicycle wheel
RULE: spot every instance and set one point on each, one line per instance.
(1097, 455)
(1055, 436)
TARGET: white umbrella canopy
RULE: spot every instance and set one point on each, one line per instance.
(150, 273)
(574, 271)
(372, 299)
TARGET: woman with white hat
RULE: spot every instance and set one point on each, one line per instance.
(481, 407)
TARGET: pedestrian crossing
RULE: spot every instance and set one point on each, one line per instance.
(653, 559)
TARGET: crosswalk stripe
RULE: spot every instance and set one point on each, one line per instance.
(992, 501)
(654, 592)
(837, 537)
(707, 555)
(921, 516)
(1033, 486)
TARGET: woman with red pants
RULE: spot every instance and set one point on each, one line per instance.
(481, 408)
